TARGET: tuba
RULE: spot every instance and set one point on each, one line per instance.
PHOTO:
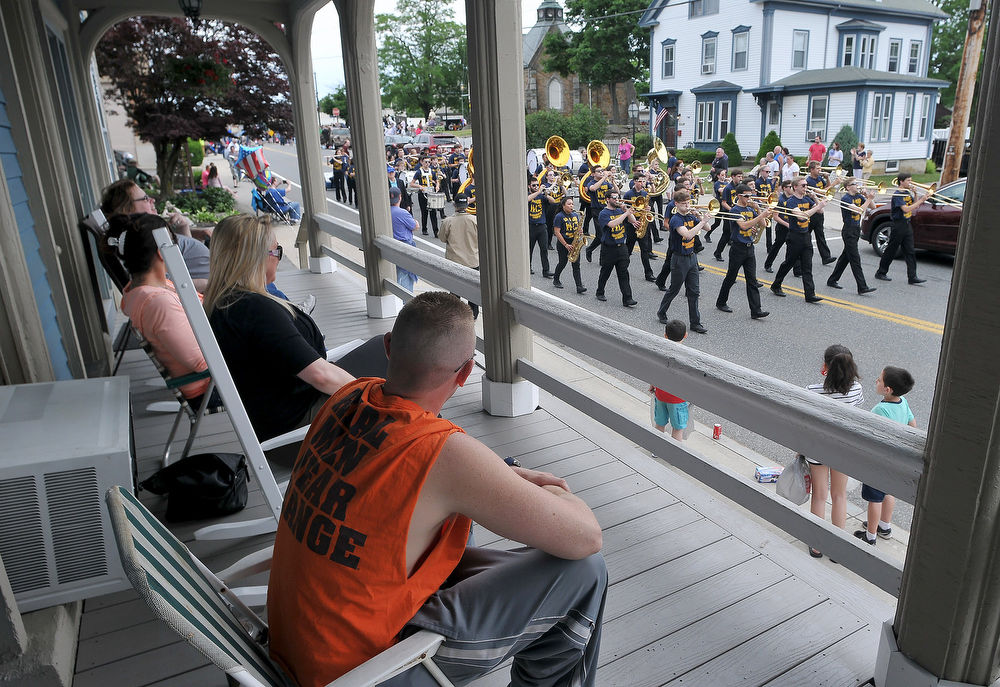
(597, 155)
(557, 150)
(469, 181)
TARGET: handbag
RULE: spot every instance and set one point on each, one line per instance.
(794, 481)
(206, 485)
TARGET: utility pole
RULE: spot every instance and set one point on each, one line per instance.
(964, 90)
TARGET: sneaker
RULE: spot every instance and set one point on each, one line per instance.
(884, 532)
(863, 536)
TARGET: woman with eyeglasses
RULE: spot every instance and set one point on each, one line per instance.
(275, 352)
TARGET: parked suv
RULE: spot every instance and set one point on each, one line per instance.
(935, 224)
(435, 144)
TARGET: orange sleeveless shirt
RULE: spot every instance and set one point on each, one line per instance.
(339, 592)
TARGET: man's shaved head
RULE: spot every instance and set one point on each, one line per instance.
(433, 337)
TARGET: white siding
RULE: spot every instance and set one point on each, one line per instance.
(794, 120)
(906, 32)
(747, 128)
(785, 23)
(841, 112)
(896, 148)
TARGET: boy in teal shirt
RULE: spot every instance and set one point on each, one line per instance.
(893, 383)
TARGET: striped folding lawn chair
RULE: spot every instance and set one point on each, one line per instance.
(200, 607)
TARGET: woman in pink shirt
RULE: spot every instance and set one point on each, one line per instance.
(151, 302)
(625, 150)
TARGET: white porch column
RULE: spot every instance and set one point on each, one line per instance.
(497, 100)
(947, 625)
(364, 98)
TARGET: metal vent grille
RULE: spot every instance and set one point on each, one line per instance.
(74, 503)
(21, 534)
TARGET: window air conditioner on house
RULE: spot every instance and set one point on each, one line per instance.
(707, 69)
(64, 445)
(813, 134)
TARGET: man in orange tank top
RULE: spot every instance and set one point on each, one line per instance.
(373, 541)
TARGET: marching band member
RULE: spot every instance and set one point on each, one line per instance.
(851, 233)
(728, 200)
(765, 187)
(781, 231)
(567, 226)
(741, 252)
(613, 254)
(553, 196)
(719, 182)
(536, 227)
(339, 162)
(601, 186)
(646, 242)
(684, 226)
(901, 234)
(801, 208)
(425, 181)
(455, 161)
(819, 182)
(655, 204)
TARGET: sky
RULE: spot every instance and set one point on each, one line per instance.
(328, 59)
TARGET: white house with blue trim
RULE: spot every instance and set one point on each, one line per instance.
(799, 67)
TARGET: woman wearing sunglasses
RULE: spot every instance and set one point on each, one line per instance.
(275, 352)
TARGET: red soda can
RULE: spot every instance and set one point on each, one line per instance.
(717, 431)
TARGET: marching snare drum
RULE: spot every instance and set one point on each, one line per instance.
(435, 201)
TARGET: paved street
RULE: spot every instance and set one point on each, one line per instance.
(898, 325)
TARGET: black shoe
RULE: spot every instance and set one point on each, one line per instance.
(631, 302)
(708, 239)
(813, 299)
(661, 287)
(768, 269)
(827, 261)
(547, 275)
(556, 283)
(882, 277)
(581, 289)
(815, 553)
(662, 319)
(424, 233)
(758, 285)
(549, 247)
(700, 248)
(653, 256)
(651, 278)
(834, 285)
(657, 240)
(863, 536)
(917, 280)
(532, 271)
(723, 307)
(884, 532)
(718, 258)
(601, 297)
(759, 315)
(777, 292)
(866, 289)
(701, 268)
(590, 255)
(797, 275)
(698, 328)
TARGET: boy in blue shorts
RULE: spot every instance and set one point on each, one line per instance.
(670, 409)
(892, 384)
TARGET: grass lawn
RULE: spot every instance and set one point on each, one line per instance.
(919, 178)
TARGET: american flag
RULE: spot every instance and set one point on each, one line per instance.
(254, 165)
(659, 119)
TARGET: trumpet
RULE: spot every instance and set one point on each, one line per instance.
(931, 190)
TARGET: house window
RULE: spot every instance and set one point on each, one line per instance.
(773, 115)
(817, 117)
(555, 94)
(925, 116)
(708, 54)
(725, 115)
(800, 46)
(908, 117)
(668, 60)
(848, 51)
(915, 48)
(703, 8)
(741, 47)
(895, 48)
(705, 125)
(881, 114)
(867, 52)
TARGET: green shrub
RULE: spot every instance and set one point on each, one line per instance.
(767, 146)
(581, 127)
(930, 167)
(689, 155)
(643, 144)
(197, 152)
(847, 140)
(214, 200)
(732, 149)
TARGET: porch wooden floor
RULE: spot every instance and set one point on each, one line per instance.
(700, 594)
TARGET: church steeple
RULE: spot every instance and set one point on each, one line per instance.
(550, 12)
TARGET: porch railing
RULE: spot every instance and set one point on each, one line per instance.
(845, 438)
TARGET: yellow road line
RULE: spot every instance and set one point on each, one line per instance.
(886, 315)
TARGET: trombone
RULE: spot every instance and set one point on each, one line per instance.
(931, 190)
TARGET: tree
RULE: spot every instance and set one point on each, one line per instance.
(422, 56)
(337, 99)
(610, 48)
(847, 140)
(175, 82)
(768, 144)
(578, 129)
(732, 149)
(947, 45)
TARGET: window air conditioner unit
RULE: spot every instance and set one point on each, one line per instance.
(64, 445)
(707, 69)
(813, 134)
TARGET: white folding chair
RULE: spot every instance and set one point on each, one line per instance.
(201, 608)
